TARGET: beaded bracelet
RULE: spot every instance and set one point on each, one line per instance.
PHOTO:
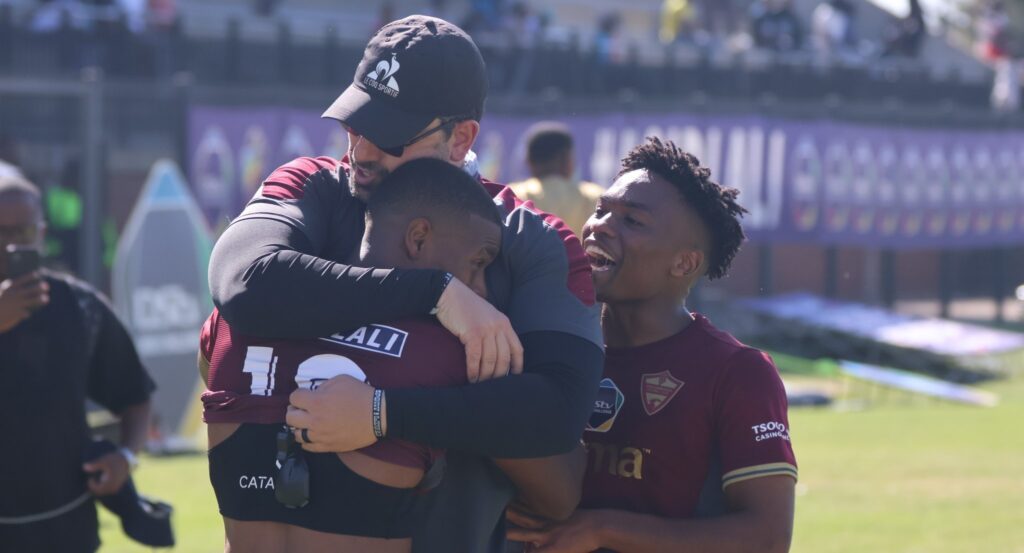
(378, 431)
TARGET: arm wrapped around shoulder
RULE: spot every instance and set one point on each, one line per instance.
(539, 413)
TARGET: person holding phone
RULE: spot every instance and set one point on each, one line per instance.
(60, 343)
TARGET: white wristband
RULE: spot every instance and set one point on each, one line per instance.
(133, 461)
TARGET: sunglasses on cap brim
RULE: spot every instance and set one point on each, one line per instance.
(446, 124)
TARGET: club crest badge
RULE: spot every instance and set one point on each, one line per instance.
(657, 389)
(606, 407)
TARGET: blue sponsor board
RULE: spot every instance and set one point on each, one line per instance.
(818, 181)
(160, 289)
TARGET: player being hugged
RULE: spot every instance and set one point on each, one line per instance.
(689, 447)
(273, 495)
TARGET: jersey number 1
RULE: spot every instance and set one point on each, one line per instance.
(261, 364)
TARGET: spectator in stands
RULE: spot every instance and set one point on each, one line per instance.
(50, 16)
(162, 15)
(60, 343)
(775, 26)
(438, 9)
(832, 28)
(484, 15)
(996, 46)
(553, 186)
(162, 23)
(907, 34)
(523, 30)
(678, 18)
(608, 44)
(265, 8)
(718, 16)
(384, 16)
(134, 14)
(523, 25)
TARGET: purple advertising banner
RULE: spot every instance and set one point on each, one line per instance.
(810, 181)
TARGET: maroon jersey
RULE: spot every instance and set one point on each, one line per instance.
(673, 414)
(251, 378)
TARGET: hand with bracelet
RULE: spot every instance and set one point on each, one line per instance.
(344, 414)
(338, 416)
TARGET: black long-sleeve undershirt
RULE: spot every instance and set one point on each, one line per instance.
(265, 286)
(539, 413)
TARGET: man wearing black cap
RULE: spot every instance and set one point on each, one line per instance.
(280, 271)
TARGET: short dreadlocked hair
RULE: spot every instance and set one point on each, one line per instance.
(715, 204)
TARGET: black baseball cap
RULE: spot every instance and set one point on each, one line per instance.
(413, 70)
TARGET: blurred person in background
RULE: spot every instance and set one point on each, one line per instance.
(719, 16)
(60, 343)
(677, 21)
(266, 8)
(484, 16)
(775, 26)
(524, 26)
(162, 22)
(832, 28)
(996, 46)
(609, 46)
(50, 16)
(438, 9)
(385, 15)
(524, 30)
(688, 444)
(907, 34)
(554, 186)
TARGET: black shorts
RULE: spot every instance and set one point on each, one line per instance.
(243, 468)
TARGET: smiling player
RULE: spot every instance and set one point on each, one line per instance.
(688, 443)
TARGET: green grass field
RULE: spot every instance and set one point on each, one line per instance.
(905, 476)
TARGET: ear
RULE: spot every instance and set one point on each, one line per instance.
(417, 234)
(688, 263)
(461, 142)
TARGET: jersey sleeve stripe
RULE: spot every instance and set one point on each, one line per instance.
(758, 471)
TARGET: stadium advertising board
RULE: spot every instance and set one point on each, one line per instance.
(918, 384)
(938, 336)
(811, 181)
(160, 290)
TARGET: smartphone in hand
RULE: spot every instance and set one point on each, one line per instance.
(22, 260)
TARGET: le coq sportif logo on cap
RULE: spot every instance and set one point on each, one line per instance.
(382, 78)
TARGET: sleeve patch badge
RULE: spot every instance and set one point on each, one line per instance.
(657, 389)
(606, 407)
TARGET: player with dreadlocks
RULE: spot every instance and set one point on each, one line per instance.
(688, 443)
